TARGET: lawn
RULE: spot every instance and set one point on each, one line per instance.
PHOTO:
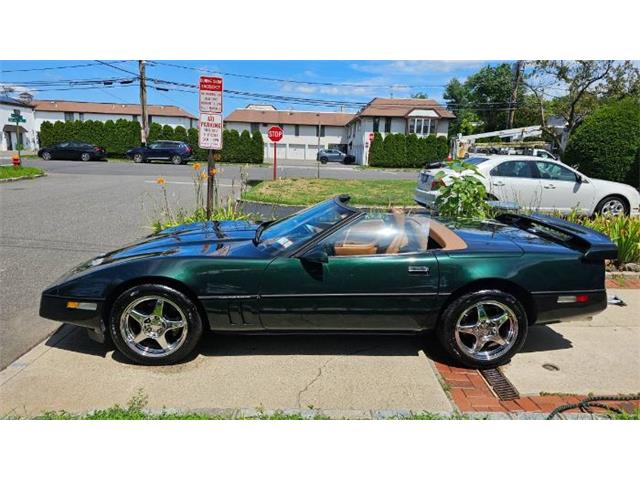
(307, 191)
(12, 172)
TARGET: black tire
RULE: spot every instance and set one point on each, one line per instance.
(185, 346)
(323, 160)
(604, 205)
(46, 156)
(138, 158)
(85, 157)
(447, 327)
(176, 160)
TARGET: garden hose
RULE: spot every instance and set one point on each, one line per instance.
(588, 403)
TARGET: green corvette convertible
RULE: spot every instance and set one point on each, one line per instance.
(335, 268)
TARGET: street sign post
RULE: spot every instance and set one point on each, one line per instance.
(210, 129)
(16, 118)
(275, 134)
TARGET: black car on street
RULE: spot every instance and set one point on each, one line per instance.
(176, 152)
(72, 150)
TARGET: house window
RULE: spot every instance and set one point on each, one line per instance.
(135, 118)
(81, 116)
(387, 125)
(319, 130)
(322, 132)
(376, 124)
(297, 130)
(423, 126)
(255, 127)
(68, 116)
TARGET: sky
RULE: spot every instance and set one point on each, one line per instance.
(324, 81)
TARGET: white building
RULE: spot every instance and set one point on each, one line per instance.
(59, 110)
(305, 132)
(25, 133)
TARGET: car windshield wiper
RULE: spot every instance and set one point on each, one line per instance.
(259, 230)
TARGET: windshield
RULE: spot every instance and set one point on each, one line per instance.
(293, 231)
(476, 160)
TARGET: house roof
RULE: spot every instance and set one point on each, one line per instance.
(109, 108)
(6, 100)
(401, 107)
(289, 117)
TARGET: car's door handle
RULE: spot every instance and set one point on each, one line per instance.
(418, 270)
(499, 184)
(550, 186)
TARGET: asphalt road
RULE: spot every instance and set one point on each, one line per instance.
(48, 225)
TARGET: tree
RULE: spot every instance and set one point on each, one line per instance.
(258, 147)
(180, 134)
(607, 144)
(584, 84)
(155, 132)
(420, 95)
(167, 132)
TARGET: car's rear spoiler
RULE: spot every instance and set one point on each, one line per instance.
(593, 245)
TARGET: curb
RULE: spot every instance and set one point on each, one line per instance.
(26, 177)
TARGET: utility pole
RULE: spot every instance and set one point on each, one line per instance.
(519, 67)
(144, 132)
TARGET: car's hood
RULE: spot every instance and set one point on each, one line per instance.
(226, 238)
(613, 187)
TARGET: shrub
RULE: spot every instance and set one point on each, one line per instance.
(180, 134)
(155, 132)
(258, 148)
(376, 151)
(607, 144)
(462, 194)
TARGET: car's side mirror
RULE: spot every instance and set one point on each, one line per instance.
(317, 254)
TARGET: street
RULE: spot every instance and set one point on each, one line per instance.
(48, 225)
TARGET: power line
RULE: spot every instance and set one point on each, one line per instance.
(118, 68)
(303, 82)
(60, 67)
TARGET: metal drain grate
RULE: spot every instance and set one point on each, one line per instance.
(500, 385)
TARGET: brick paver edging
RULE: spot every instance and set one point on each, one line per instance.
(471, 393)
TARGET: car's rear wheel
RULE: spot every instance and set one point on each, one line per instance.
(612, 206)
(155, 325)
(46, 156)
(138, 158)
(483, 329)
(85, 157)
(323, 160)
(176, 160)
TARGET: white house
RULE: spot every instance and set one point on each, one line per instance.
(25, 133)
(305, 132)
(61, 110)
(395, 115)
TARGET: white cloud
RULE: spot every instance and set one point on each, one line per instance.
(418, 67)
(10, 88)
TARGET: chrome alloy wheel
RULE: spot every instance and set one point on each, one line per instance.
(153, 326)
(612, 207)
(486, 330)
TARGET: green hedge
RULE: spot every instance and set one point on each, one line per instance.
(119, 136)
(408, 151)
(607, 144)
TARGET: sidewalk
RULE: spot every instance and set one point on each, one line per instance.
(339, 376)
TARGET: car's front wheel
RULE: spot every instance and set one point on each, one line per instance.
(46, 156)
(85, 157)
(483, 329)
(155, 325)
(176, 160)
(138, 158)
(612, 206)
(323, 160)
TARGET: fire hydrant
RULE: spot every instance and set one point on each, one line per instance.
(16, 161)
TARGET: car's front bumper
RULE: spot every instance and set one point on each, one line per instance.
(87, 313)
(553, 307)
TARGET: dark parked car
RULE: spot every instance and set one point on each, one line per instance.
(72, 151)
(334, 155)
(335, 268)
(176, 152)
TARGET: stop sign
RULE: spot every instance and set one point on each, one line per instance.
(275, 134)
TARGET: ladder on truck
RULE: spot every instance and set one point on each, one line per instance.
(515, 136)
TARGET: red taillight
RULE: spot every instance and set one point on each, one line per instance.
(582, 298)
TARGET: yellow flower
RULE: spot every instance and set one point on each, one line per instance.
(196, 166)
(213, 171)
(203, 175)
(160, 181)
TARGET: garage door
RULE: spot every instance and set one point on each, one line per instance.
(282, 151)
(296, 152)
(312, 152)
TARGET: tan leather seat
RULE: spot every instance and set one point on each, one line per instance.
(444, 237)
(361, 239)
